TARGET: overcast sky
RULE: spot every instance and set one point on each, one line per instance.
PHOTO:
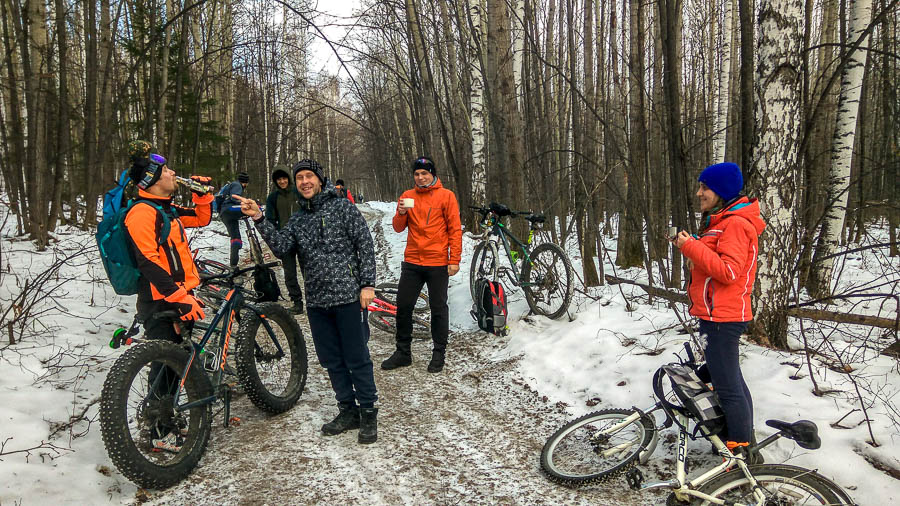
(335, 26)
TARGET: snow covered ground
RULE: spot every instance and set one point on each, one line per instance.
(50, 380)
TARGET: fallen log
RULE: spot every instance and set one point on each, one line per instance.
(809, 314)
(651, 290)
(832, 316)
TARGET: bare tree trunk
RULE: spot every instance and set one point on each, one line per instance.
(670, 16)
(747, 107)
(476, 101)
(775, 159)
(631, 240)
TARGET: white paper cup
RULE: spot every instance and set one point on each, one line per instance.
(408, 203)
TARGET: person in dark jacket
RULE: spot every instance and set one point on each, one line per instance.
(343, 190)
(281, 204)
(230, 214)
(337, 256)
(723, 264)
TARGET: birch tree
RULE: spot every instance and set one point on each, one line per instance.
(842, 147)
(724, 96)
(778, 80)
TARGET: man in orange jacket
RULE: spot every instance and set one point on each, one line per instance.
(433, 248)
(168, 273)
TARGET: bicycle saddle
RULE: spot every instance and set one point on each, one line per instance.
(499, 209)
(536, 218)
(804, 432)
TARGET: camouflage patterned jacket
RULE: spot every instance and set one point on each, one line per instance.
(333, 244)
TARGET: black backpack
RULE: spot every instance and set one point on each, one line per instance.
(265, 284)
(489, 309)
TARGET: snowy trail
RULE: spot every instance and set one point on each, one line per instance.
(469, 435)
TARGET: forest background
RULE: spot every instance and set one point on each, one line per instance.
(598, 113)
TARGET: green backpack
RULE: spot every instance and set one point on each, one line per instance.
(113, 241)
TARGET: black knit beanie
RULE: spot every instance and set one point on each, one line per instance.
(311, 165)
(423, 162)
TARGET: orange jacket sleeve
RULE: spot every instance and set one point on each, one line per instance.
(200, 214)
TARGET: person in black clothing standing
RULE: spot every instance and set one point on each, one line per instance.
(230, 214)
(337, 255)
(281, 204)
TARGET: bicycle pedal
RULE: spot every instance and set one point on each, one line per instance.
(635, 478)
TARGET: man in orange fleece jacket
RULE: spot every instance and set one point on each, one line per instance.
(433, 250)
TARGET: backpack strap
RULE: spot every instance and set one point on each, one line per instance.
(163, 225)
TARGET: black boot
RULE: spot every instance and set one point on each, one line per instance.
(398, 359)
(437, 362)
(347, 419)
(297, 307)
(368, 425)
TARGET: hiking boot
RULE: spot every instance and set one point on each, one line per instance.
(297, 308)
(398, 359)
(171, 442)
(368, 426)
(437, 362)
(347, 419)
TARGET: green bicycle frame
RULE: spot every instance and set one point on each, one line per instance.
(500, 230)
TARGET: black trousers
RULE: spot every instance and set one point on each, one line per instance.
(232, 221)
(340, 335)
(412, 278)
(289, 262)
(162, 379)
(723, 370)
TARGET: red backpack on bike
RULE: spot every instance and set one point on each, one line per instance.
(489, 309)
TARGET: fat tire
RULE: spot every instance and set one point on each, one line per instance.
(569, 275)
(388, 293)
(114, 418)
(246, 360)
(809, 481)
(475, 273)
(644, 425)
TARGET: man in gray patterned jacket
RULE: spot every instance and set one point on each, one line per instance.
(337, 257)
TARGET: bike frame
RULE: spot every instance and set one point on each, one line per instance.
(381, 306)
(226, 313)
(680, 486)
(498, 229)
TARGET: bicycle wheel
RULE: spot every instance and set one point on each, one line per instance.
(136, 407)
(547, 281)
(388, 293)
(387, 323)
(484, 264)
(838, 491)
(781, 484)
(596, 447)
(272, 368)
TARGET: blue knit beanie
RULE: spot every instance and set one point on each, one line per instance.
(723, 178)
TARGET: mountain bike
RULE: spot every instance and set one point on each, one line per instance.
(603, 444)
(546, 276)
(383, 312)
(159, 387)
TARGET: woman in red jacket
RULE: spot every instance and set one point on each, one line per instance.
(723, 267)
